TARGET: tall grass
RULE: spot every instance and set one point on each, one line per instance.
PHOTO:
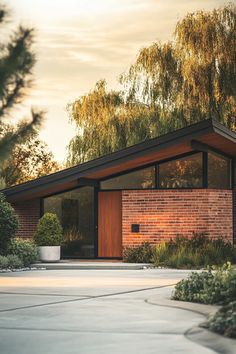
(196, 252)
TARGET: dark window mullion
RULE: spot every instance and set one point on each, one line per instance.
(205, 170)
(157, 176)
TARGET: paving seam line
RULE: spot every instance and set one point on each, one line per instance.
(87, 331)
(86, 298)
(176, 307)
(35, 294)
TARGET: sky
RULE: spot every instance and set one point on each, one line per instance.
(79, 42)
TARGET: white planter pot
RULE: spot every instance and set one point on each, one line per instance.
(50, 253)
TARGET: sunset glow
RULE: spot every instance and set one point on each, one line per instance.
(79, 42)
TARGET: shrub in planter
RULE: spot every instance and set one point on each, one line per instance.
(48, 237)
(26, 250)
(48, 231)
(139, 254)
(8, 224)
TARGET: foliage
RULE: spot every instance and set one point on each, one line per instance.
(26, 251)
(2, 183)
(29, 159)
(196, 252)
(8, 224)
(139, 254)
(10, 262)
(16, 62)
(208, 287)
(193, 77)
(48, 231)
(206, 48)
(3, 262)
(14, 261)
(224, 321)
(120, 124)
(170, 85)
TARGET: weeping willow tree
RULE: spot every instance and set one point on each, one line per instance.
(205, 46)
(16, 62)
(170, 85)
(105, 123)
(194, 77)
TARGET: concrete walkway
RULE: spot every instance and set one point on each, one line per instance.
(99, 311)
(88, 265)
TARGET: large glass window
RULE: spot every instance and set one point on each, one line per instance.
(219, 171)
(139, 179)
(75, 210)
(185, 172)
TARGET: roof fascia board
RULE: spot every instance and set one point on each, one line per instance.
(202, 147)
(223, 131)
(81, 171)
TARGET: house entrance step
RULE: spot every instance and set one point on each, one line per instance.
(85, 265)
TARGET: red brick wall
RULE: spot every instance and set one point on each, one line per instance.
(234, 200)
(29, 214)
(164, 214)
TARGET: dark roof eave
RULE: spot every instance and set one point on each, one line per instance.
(75, 172)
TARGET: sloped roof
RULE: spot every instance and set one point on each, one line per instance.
(208, 132)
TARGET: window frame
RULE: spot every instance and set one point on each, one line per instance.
(156, 165)
(231, 170)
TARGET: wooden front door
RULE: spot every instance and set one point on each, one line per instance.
(109, 224)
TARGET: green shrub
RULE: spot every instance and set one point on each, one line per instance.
(196, 252)
(208, 287)
(3, 262)
(139, 254)
(26, 250)
(11, 261)
(14, 261)
(49, 231)
(224, 321)
(8, 224)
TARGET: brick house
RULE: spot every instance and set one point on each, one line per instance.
(178, 184)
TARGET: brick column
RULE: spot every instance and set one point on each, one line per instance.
(29, 214)
(234, 199)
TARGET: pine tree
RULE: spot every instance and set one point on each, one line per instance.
(16, 62)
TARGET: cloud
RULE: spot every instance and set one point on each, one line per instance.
(79, 42)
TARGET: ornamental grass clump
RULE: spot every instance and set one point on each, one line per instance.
(48, 231)
(196, 252)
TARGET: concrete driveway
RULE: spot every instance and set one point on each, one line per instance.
(94, 311)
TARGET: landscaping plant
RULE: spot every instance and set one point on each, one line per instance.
(196, 252)
(214, 286)
(10, 262)
(139, 254)
(48, 231)
(224, 321)
(8, 224)
(182, 252)
(26, 250)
